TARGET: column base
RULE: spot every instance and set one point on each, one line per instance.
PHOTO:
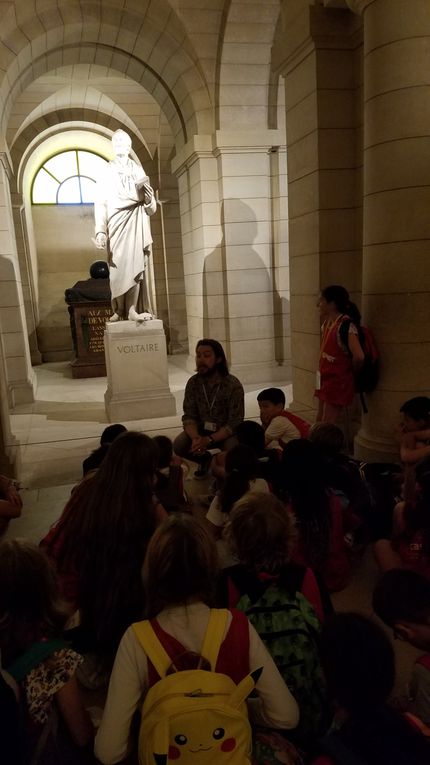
(375, 449)
(22, 391)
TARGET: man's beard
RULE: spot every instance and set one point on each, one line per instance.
(206, 371)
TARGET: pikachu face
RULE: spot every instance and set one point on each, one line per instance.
(205, 742)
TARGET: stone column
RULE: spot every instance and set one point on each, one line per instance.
(19, 373)
(317, 55)
(396, 205)
(233, 213)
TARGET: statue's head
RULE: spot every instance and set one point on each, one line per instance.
(121, 143)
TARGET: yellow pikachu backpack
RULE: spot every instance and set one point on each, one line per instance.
(194, 716)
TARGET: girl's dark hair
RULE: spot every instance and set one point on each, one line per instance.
(104, 532)
(165, 451)
(417, 514)
(261, 532)
(338, 295)
(241, 467)
(181, 564)
(218, 350)
(359, 665)
(417, 408)
(250, 433)
(303, 484)
(30, 604)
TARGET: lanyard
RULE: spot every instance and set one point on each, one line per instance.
(211, 404)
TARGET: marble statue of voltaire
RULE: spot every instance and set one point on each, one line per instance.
(124, 202)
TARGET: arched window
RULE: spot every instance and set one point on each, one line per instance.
(68, 178)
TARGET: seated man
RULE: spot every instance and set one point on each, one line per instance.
(279, 424)
(213, 406)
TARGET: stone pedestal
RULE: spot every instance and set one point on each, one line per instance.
(136, 365)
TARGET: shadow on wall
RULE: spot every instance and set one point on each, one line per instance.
(240, 300)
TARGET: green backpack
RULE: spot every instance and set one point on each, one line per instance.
(289, 626)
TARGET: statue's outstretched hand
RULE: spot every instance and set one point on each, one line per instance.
(101, 240)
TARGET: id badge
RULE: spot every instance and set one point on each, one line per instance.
(318, 380)
(210, 426)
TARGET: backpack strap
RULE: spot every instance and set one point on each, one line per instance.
(150, 643)
(159, 657)
(214, 635)
(35, 655)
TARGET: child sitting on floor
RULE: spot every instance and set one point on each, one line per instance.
(170, 475)
(409, 546)
(322, 522)
(33, 652)
(280, 425)
(358, 661)
(281, 599)
(402, 600)
(241, 477)
(179, 576)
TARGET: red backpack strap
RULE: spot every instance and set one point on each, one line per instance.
(424, 660)
(302, 426)
(233, 657)
(172, 647)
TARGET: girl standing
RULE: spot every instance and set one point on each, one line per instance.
(339, 360)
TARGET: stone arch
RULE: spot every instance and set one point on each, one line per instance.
(240, 99)
(160, 57)
(66, 100)
(90, 117)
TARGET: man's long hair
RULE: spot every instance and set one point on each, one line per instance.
(222, 366)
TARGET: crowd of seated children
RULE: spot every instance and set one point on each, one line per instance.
(179, 579)
(281, 599)
(280, 425)
(99, 543)
(34, 653)
(322, 522)
(10, 503)
(401, 599)
(281, 556)
(95, 459)
(409, 545)
(169, 477)
(359, 666)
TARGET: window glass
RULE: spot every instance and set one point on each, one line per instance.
(88, 190)
(68, 178)
(63, 165)
(90, 164)
(44, 188)
(69, 193)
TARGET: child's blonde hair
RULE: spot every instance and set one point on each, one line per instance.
(261, 532)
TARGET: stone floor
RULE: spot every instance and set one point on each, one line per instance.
(64, 424)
